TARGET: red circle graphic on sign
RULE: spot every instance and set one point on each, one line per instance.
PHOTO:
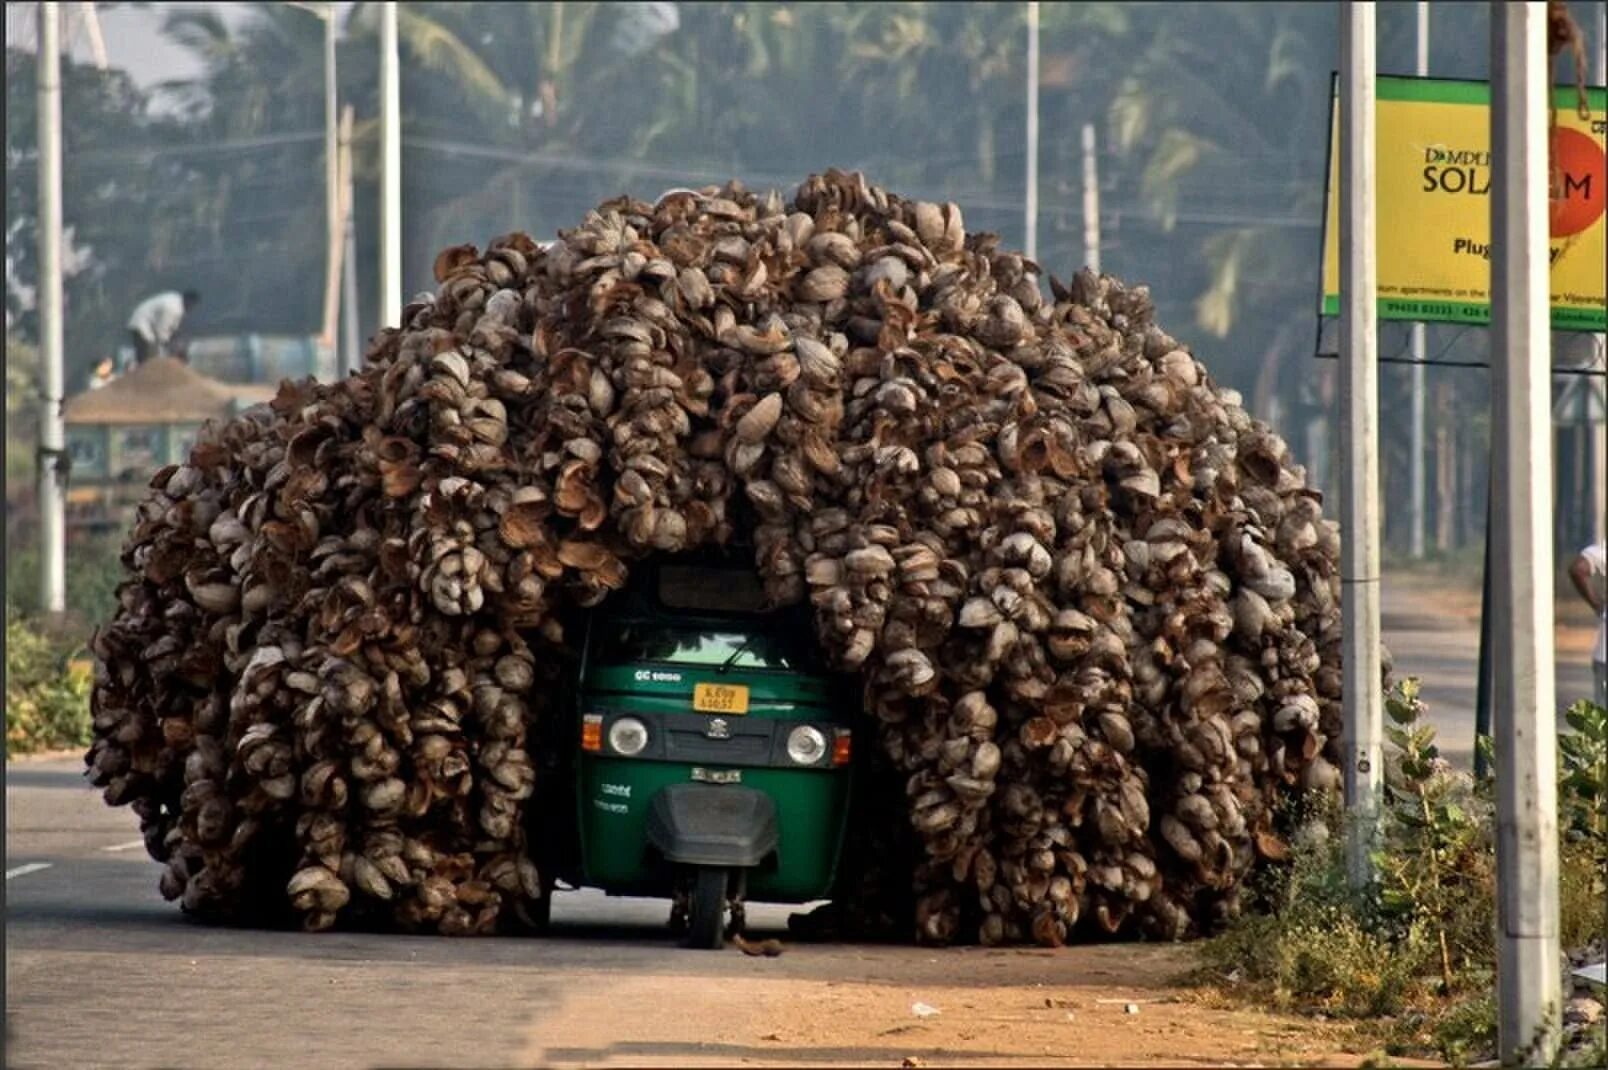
(1579, 174)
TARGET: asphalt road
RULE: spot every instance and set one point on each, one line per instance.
(1442, 649)
(101, 972)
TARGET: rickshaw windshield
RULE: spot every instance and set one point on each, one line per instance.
(624, 642)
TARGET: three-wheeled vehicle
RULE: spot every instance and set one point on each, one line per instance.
(710, 747)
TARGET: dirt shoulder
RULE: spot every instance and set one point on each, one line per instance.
(1084, 1006)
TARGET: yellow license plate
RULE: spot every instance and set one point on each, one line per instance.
(720, 698)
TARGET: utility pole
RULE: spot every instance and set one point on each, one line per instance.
(332, 183)
(1598, 388)
(351, 353)
(1091, 201)
(92, 29)
(390, 171)
(1529, 998)
(52, 439)
(332, 189)
(1030, 200)
(1415, 451)
(1359, 437)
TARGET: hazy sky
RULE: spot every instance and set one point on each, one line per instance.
(132, 32)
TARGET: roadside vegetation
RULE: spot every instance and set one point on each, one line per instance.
(1411, 964)
(47, 675)
(47, 690)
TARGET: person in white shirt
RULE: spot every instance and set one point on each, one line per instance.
(1590, 575)
(156, 320)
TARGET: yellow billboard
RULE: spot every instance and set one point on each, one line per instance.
(1434, 181)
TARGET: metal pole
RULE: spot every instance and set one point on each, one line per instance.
(1527, 978)
(390, 171)
(1091, 201)
(52, 438)
(1030, 199)
(1359, 436)
(1415, 451)
(352, 356)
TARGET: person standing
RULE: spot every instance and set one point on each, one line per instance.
(155, 320)
(1589, 571)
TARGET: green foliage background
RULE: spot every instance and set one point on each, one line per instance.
(1212, 116)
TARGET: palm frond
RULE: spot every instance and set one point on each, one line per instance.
(1286, 59)
(439, 49)
(201, 31)
(1177, 152)
(1227, 254)
(1130, 115)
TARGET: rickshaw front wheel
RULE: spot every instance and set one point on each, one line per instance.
(705, 926)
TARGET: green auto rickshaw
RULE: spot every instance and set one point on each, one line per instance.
(711, 747)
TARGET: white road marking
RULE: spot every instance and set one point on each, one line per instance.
(23, 871)
(129, 846)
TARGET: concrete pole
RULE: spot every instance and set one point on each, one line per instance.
(92, 29)
(1359, 436)
(1415, 450)
(52, 488)
(1527, 977)
(390, 171)
(351, 351)
(332, 186)
(1091, 201)
(1030, 199)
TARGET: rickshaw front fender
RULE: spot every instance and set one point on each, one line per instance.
(712, 825)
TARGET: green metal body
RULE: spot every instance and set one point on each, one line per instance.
(614, 793)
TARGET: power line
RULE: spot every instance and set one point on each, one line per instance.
(263, 141)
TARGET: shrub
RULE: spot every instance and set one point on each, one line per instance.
(47, 700)
(1583, 787)
(1436, 861)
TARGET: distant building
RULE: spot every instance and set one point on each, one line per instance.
(120, 434)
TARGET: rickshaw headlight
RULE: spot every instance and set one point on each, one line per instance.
(628, 736)
(806, 745)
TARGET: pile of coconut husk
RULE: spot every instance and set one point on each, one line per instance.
(1093, 604)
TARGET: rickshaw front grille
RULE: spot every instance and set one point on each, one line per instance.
(742, 748)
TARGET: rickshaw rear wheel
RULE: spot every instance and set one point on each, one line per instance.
(708, 909)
